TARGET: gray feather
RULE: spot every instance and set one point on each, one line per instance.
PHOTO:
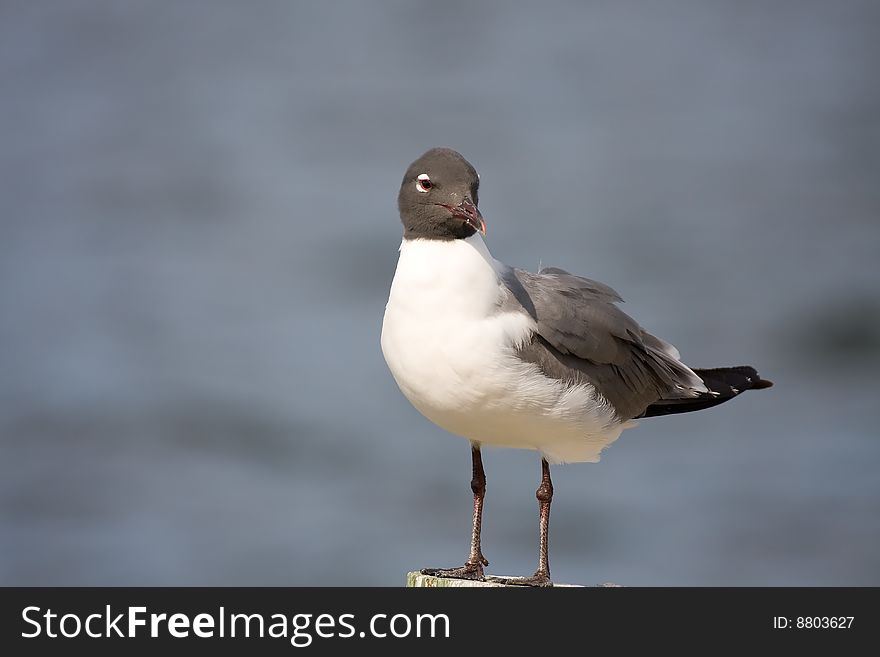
(582, 336)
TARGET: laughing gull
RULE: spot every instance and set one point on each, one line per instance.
(511, 358)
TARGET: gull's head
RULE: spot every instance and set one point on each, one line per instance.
(438, 197)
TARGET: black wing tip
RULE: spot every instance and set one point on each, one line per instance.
(742, 377)
(724, 384)
(757, 383)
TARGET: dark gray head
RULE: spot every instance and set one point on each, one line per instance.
(438, 197)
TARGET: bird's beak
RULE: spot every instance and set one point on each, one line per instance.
(470, 213)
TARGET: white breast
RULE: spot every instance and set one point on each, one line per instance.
(452, 352)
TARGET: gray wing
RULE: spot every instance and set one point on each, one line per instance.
(583, 336)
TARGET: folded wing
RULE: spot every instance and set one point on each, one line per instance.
(583, 336)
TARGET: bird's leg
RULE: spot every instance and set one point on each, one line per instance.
(478, 486)
(473, 567)
(545, 497)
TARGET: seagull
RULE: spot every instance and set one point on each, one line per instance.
(505, 357)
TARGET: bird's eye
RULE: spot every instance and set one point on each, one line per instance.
(423, 183)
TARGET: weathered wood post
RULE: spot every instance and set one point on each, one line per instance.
(415, 579)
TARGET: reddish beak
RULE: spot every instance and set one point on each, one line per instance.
(470, 213)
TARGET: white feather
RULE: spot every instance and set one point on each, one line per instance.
(453, 355)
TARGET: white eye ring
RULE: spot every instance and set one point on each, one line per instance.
(423, 183)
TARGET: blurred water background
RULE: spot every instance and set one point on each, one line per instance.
(199, 230)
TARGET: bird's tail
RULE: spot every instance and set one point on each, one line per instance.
(723, 382)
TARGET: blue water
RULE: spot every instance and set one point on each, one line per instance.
(199, 230)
